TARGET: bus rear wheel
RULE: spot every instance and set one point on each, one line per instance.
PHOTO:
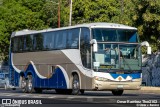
(75, 85)
(30, 84)
(117, 92)
(23, 84)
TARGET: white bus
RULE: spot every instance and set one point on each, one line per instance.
(95, 56)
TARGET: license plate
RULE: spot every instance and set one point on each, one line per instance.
(120, 86)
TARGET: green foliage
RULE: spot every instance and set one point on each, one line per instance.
(85, 11)
(147, 19)
(16, 16)
(39, 14)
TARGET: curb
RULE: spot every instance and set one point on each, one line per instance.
(149, 88)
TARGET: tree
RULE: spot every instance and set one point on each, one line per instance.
(115, 11)
(147, 19)
(15, 16)
(50, 13)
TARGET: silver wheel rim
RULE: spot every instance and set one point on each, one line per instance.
(75, 84)
(23, 84)
(30, 85)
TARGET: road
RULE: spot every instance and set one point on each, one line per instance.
(95, 98)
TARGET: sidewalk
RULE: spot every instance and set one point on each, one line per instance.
(145, 89)
(149, 88)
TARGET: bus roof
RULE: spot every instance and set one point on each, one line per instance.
(89, 25)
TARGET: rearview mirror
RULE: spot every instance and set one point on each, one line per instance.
(94, 43)
(145, 43)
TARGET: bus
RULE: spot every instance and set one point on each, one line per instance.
(93, 56)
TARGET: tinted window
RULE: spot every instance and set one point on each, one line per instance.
(21, 44)
(127, 36)
(28, 43)
(38, 42)
(73, 38)
(60, 39)
(15, 49)
(18, 44)
(114, 35)
(47, 41)
(63, 39)
(85, 47)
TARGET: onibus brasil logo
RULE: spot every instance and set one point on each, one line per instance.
(17, 103)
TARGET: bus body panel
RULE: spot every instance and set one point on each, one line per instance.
(44, 76)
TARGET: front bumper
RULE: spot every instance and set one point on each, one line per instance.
(116, 85)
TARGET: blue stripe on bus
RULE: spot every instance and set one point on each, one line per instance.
(134, 76)
(57, 80)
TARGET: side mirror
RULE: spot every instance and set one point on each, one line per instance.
(145, 43)
(149, 50)
(94, 43)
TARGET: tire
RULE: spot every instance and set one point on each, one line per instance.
(117, 92)
(23, 84)
(30, 84)
(75, 85)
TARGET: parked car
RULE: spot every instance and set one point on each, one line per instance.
(4, 81)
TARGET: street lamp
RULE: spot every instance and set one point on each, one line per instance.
(70, 14)
(59, 8)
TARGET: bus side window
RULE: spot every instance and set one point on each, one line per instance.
(69, 39)
(39, 42)
(47, 41)
(15, 45)
(73, 38)
(12, 45)
(28, 43)
(61, 39)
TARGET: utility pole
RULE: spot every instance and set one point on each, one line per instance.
(70, 15)
(59, 13)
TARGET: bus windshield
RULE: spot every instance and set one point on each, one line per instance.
(114, 35)
(113, 50)
(117, 56)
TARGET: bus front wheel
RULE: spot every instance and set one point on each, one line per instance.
(75, 85)
(117, 92)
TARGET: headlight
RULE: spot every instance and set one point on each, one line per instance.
(100, 79)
